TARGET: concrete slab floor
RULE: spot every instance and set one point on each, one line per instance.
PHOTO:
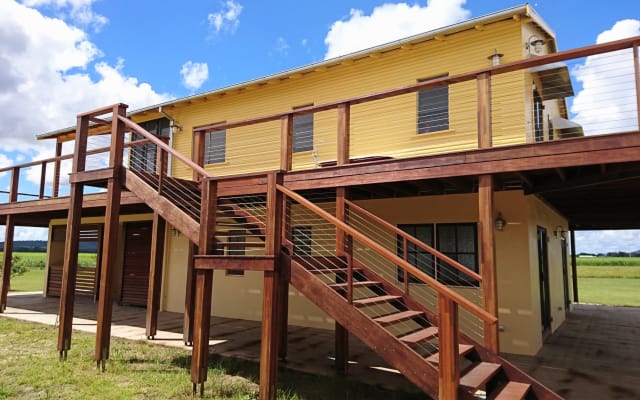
(594, 355)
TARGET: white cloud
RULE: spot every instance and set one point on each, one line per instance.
(389, 22)
(79, 11)
(607, 103)
(282, 46)
(607, 241)
(194, 74)
(228, 18)
(45, 79)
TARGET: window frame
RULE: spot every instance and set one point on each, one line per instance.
(424, 115)
(434, 269)
(300, 121)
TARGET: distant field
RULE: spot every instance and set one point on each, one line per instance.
(38, 260)
(608, 261)
(609, 280)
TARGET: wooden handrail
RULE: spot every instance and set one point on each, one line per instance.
(158, 142)
(445, 80)
(418, 243)
(439, 287)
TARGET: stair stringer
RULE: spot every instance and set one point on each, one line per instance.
(397, 354)
(512, 372)
(163, 206)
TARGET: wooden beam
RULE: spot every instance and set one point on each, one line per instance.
(286, 142)
(574, 267)
(155, 275)
(343, 249)
(43, 179)
(488, 258)
(636, 70)
(110, 239)
(71, 247)
(483, 83)
(198, 151)
(88, 177)
(244, 263)
(272, 295)
(344, 125)
(449, 360)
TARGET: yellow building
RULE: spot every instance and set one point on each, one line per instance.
(436, 187)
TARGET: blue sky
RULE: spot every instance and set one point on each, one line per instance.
(61, 57)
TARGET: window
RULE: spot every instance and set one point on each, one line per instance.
(236, 247)
(215, 147)
(458, 241)
(143, 157)
(301, 238)
(433, 109)
(302, 131)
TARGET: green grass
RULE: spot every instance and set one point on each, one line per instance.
(30, 281)
(137, 370)
(608, 261)
(38, 260)
(610, 291)
(593, 271)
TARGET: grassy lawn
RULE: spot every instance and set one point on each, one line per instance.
(609, 280)
(30, 281)
(136, 370)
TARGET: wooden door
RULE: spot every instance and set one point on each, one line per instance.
(543, 265)
(135, 266)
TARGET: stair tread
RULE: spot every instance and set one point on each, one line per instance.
(513, 391)
(479, 375)
(332, 270)
(462, 350)
(344, 285)
(398, 317)
(369, 301)
(420, 336)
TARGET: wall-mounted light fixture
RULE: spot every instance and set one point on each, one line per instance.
(500, 222)
(495, 57)
(559, 231)
(534, 45)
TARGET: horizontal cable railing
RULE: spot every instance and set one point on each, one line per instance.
(313, 236)
(241, 225)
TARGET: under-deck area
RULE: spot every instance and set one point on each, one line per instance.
(594, 355)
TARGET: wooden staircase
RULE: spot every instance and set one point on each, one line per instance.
(483, 374)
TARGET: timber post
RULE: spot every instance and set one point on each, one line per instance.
(8, 242)
(110, 238)
(155, 275)
(273, 291)
(56, 171)
(449, 360)
(574, 267)
(286, 142)
(343, 249)
(204, 286)
(189, 297)
(72, 239)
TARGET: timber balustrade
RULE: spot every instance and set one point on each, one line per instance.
(484, 108)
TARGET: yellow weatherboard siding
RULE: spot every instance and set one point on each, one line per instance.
(385, 127)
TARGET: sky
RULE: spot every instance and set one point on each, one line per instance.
(62, 57)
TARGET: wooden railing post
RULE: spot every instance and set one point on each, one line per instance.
(344, 126)
(485, 139)
(272, 295)
(56, 171)
(204, 285)
(198, 149)
(636, 70)
(488, 258)
(343, 249)
(110, 238)
(8, 241)
(161, 167)
(43, 179)
(449, 359)
(72, 240)
(286, 142)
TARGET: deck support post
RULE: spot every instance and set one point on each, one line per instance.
(636, 70)
(449, 360)
(286, 142)
(189, 297)
(204, 286)
(8, 242)
(574, 267)
(488, 258)
(72, 240)
(273, 294)
(155, 275)
(110, 238)
(343, 249)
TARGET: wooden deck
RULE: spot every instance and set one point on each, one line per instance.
(594, 355)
